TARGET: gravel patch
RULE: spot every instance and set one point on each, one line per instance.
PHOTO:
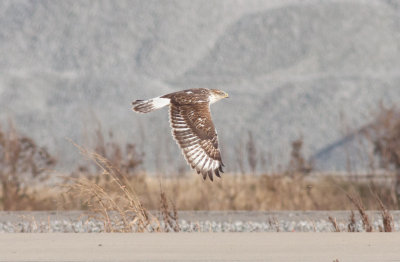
(195, 221)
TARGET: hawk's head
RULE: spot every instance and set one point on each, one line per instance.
(216, 95)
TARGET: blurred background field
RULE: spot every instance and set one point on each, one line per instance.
(30, 180)
(312, 121)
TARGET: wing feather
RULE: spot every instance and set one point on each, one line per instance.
(195, 134)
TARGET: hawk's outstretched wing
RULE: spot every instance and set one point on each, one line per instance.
(194, 132)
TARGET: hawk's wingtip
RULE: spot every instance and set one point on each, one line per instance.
(210, 175)
(217, 173)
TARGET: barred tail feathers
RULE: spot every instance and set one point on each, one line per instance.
(146, 106)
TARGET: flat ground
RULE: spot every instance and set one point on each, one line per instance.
(286, 247)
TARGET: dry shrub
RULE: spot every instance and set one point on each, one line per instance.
(125, 158)
(23, 165)
(384, 134)
(117, 205)
(252, 153)
(298, 163)
(239, 156)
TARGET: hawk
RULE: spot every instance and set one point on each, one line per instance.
(192, 127)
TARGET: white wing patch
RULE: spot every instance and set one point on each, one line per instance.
(146, 106)
(159, 102)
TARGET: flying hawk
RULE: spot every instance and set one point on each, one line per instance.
(192, 127)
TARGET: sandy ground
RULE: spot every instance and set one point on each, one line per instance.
(202, 247)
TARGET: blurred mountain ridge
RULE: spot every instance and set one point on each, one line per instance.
(292, 68)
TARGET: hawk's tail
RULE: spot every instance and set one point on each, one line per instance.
(145, 106)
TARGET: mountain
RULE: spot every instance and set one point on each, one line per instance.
(310, 69)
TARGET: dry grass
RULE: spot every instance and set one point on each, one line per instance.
(118, 204)
(266, 192)
(387, 218)
(170, 217)
(351, 227)
(334, 223)
(361, 209)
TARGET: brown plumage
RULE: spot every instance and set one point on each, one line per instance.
(192, 126)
